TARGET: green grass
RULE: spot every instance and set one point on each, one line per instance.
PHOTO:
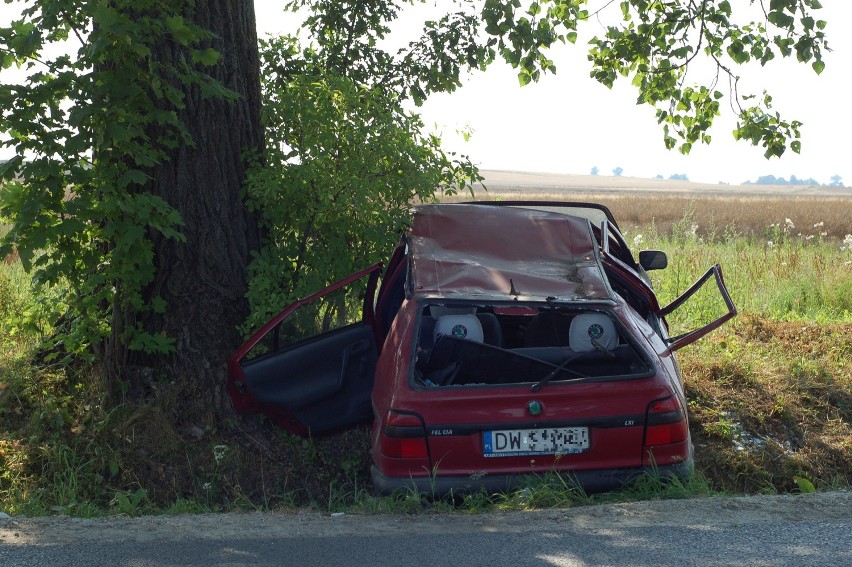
(769, 399)
(543, 492)
(791, 279)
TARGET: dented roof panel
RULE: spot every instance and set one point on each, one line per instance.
(470, 250)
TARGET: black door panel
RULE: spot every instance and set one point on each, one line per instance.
(326, 381)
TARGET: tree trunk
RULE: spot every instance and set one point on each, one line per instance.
(204, 279)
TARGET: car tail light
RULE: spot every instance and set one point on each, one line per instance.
(666, 423)
(403, 436)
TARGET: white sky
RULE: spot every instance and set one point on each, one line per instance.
(569, 123)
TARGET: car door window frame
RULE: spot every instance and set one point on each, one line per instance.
(684, 339)
(242, 398)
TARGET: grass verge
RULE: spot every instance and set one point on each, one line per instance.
(769, 400)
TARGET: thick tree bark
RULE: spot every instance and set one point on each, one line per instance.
(204, 279)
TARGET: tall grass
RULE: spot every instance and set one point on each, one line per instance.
(770, 392)
(779, 275)
(718, 214)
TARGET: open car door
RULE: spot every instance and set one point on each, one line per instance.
(311, 367)
(691, 336)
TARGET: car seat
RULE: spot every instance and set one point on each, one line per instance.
(548, 329)
(460, 327)
(491, 330)
(592, 331)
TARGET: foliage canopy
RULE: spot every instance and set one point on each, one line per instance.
(343, 162)
(88, 127)
(91, 125)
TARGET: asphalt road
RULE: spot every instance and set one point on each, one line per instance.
(768, 530)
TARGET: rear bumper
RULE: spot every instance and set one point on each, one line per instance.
(589, 481)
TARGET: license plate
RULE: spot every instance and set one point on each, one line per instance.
(547, 441)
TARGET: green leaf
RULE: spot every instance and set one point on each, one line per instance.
(9, 170)
(179, 30)
(103, 15)
(805, 485)
(208, 57)
(133, 177)
(781, 19)
(818, 66)
(158, 304)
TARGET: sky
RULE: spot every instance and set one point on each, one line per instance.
(569, 123)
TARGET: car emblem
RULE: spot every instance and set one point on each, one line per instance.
(459, 331)
(535, 408)
(596, 331)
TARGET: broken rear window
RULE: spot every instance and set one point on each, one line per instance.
(499, 345)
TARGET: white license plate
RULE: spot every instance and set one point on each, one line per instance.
(546, 441)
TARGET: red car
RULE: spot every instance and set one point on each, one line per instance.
(507, 339)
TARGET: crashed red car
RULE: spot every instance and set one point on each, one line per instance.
(506, 340)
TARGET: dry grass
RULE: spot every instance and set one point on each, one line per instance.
(771, 401)
(715, 213)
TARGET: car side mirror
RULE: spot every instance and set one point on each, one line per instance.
(653, 259)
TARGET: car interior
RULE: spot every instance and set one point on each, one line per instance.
(487, 345)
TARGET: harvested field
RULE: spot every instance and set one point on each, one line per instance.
(742, 209)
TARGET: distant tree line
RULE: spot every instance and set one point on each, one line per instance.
(836, 181)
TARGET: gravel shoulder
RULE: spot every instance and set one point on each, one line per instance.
(699, 513)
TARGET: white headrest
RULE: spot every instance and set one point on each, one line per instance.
(459, 326)
(588, 326)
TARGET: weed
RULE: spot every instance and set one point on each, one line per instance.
(185, 506)
(130, 503)
(804, 484)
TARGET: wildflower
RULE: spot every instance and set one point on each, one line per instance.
(823, 234)
(770, 244)
(637, 240)
(820, 224)
(809, 237)
(219, 453)
(847, 243)
(788, 224)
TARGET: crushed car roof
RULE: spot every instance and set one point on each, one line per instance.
(468, 250)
